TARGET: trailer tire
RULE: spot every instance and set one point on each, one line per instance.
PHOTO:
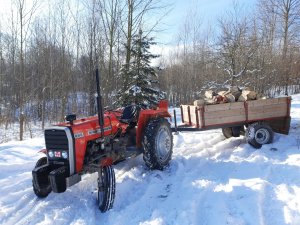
(236, 131)
(45, 190)
(158, 144)
(106, 188)
(258, 134)
(227, 132)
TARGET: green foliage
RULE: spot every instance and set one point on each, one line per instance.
(139, 76)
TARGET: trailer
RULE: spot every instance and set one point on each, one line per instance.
(256, 119)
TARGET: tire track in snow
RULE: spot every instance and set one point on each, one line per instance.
(262, 197)
(23, 210)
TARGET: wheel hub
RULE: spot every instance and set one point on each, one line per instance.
(163, 143)
(262, 136)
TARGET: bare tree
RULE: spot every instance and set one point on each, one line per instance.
(236, 44)
(24, 19)
(284, 15)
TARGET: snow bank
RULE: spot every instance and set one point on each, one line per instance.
(211, 180)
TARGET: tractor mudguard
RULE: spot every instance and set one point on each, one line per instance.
(43, 151)
(145, 115)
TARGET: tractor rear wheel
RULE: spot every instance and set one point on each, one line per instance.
(106, 188)
(259, 134)
(158, 144)
(45, 189)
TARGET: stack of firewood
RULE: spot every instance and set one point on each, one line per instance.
(233, 94)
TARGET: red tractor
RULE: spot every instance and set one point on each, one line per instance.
(95, 144)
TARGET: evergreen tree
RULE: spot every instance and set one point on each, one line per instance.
(139, 77)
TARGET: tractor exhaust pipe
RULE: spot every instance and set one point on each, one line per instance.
(99, 105)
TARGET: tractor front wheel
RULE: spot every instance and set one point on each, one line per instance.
(106, 188)
(158, 144)
(45, 188)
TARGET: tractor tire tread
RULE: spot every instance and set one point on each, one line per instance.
(110, 189)
(42, 193)
(150, 157)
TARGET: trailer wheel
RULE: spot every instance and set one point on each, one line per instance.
(259, 134)
(106, 188)
(45, 190)
(236, 131)
(158, 144)
(227, 132)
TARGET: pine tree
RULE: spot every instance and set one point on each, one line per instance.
(140, 78)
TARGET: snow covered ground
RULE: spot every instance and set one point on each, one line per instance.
(211, 180)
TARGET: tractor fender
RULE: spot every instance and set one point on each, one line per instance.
(43, 151)
(146, 115)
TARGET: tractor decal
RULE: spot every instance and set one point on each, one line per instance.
(78, 135)
(98, 131)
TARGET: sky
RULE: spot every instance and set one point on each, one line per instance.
(209, 11)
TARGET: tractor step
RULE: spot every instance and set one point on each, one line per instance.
(132, 151)
(74, 179)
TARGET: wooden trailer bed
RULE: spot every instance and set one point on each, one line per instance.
(275, 112)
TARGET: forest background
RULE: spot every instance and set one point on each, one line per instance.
(49, 50)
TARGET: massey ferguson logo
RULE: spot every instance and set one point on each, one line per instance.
(98, 131)
(57, 154)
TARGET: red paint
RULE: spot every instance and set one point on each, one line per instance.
(43, 151)
(163, 105)
(91, 124)
(111, 120)
(145, 115)
(106, 162)
(57, 154)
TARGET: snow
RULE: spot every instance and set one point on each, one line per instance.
(210, 180)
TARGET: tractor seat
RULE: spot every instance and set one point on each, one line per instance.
(129, 114)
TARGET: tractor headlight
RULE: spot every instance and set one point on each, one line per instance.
(64, 154)
(51, 154)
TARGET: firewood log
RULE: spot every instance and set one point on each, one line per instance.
(247, 96)
(235, 91)
(223, 93)
(248, 89)
(199, 102)
(261, 96)
(219, 99)
(210, 94)
(229, 98)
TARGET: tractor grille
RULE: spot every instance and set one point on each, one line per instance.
(56, 140)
